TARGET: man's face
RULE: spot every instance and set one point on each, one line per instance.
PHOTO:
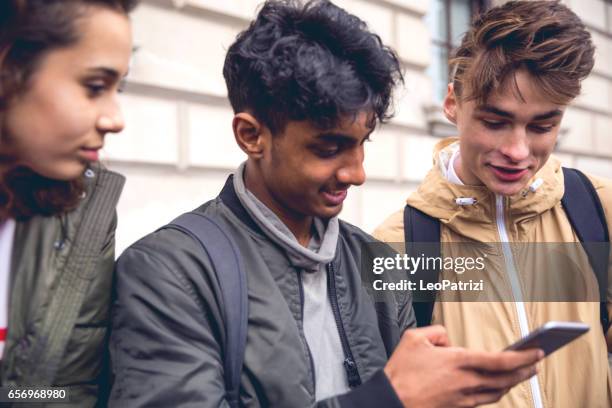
(307, 171)
(504, 142)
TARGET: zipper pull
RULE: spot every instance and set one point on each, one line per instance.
(351, 372)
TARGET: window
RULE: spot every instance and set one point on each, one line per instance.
(447, 20)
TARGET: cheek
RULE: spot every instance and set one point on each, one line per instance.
(543, 146)
(51, 123)
(71, 120)
(306, 180)
(474, 146)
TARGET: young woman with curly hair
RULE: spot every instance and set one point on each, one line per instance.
(61, 65)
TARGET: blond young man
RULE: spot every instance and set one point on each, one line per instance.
(514, 74)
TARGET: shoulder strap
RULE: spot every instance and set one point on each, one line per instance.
(50, 343)
(422, 236)
(227, 262)
(586, 215)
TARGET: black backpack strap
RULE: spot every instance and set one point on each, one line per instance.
(422, 236)
(586, 215)
(227, 262)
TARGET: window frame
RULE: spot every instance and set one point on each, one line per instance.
(476, 7)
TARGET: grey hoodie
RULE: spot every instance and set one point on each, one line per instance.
(319, 323)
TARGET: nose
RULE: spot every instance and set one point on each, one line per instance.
(111, 119)
(352, 172)
(515, 147)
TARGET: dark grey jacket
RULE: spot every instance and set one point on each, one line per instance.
(53, 257)
(166, 343)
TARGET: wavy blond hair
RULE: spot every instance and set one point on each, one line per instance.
(545, 38)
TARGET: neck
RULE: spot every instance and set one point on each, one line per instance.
(299, 224)
(464, 175)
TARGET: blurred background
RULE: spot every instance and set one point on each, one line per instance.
(178, 147)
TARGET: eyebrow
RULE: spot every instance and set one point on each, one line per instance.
(109, 72)
(340, 137)
(500, 112)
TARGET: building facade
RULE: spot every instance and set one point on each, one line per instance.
(178, 147)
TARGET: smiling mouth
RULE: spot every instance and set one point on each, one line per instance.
(335, 197)
(508, 174)
(508, 169)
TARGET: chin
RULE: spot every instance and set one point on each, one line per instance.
(506, 190)
(67, 173)
(328, 212)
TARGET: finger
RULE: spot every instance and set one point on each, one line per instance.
(486, 382)
(500, 361)
(430, 335)
(436, 335)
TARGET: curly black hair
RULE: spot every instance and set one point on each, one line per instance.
(312, 61)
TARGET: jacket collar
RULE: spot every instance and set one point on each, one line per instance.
(230, 199)
(436, 196)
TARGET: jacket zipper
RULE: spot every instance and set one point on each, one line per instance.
(312, 367)
(350, 366)
(516, 290)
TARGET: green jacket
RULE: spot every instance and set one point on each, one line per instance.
(168, 329)
(59, 297)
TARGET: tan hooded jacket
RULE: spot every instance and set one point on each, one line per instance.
(577, 375)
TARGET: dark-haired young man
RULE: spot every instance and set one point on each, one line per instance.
(517, 69)
(308, 83)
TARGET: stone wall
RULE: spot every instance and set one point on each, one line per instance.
(178, 146)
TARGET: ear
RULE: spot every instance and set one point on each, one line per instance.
(450, 104)
(250, 134)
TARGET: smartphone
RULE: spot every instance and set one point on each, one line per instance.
(551, 337)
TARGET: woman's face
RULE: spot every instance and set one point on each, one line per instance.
(57, 125)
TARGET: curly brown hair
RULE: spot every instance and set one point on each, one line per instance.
(28, 30)
(545, 38)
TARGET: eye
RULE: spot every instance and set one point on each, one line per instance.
(493, 124)
(95, 88)
(541, 129)
(327, 151)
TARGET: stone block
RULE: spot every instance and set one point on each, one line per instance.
(238, 8)
(382, 154)
(417, 156)
(596, 94)
(417, 6)
(413, 40)
(595, 166)
(577, 131)
(380, 201)
(603, 54)
(151, 132)
(211, 139)
(378, 18)
(411, 99)
(178, 51)
(152, 197)
(592, 12)
(603, 135)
